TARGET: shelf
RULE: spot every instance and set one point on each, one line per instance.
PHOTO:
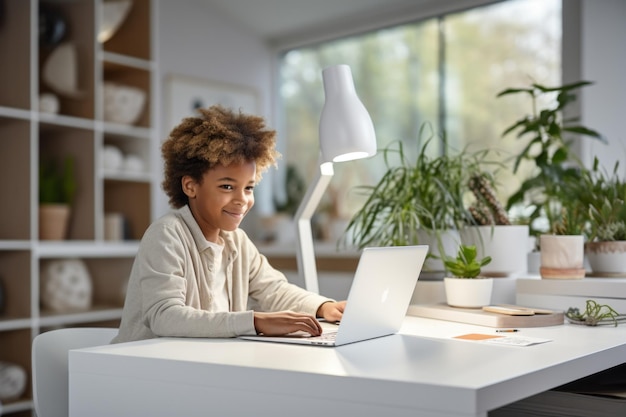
(127, 176)
(13, 323)
(78, 129)
(9, 245)
(17, 406)
(81, 317)
(129, 61)
(126, 131)
(50, 122)
(8, 112)
(86, 249)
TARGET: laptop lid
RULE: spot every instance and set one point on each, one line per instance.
(381, 292)
(379, 296)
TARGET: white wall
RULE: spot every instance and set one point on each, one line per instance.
(603, 57)
(194, 40)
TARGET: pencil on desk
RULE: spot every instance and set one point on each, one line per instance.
(507, 330)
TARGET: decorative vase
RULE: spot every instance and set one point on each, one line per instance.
(123, 104)
(468, 292)
(562, 256)
(507, 245)
(607, 259)
(65, 285)
(53, 221)
(12, 381)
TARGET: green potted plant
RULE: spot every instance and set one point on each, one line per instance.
(417, 201)
(548, 190)
(57, 188)
(562, 247)
(603, 195)
(548, 148)
(466, 287)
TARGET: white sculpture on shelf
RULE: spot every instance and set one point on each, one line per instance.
(60, 71)
(12, 381)
(123, 103)
(133, 163)
(112, 158)
(114, 13)
(65, 285)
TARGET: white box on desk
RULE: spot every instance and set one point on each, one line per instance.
(561, 294)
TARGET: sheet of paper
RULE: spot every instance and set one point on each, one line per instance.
(517, 341)
(502, 340)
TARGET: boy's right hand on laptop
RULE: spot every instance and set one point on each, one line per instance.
(285, 322)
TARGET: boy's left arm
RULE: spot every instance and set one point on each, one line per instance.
(331, 311)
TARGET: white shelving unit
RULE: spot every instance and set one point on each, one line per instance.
(28, 136)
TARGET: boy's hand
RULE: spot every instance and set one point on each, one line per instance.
(331, 311)
(284, 322)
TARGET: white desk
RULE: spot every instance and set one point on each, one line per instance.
(419, 372)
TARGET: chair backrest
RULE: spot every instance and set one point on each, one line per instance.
(50, 365)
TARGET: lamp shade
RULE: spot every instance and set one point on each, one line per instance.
(346, 130)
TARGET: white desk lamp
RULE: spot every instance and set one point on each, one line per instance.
(346, 132)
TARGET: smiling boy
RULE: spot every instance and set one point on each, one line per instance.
(195, 270)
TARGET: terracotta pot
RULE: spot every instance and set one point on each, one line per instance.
(562, 256)
(607, 259)
(468, 292)
(53, 221)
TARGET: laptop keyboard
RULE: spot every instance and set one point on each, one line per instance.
(328, 336)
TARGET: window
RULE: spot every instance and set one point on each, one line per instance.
(445, 71)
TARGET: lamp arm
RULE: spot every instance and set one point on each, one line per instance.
(306, 210)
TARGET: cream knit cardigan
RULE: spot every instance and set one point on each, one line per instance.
(168, 292)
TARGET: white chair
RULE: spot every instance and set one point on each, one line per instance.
(50, 365)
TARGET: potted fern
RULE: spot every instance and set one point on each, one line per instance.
(467, 287)
(57, 187)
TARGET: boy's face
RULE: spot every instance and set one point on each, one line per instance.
(222, 199)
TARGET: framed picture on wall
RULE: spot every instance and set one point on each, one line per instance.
(185, 94)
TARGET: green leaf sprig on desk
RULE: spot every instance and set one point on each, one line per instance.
(594, 315)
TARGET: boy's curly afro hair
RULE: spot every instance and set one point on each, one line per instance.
(218, 136)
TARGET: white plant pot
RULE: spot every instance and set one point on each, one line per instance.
(507, 245)
(468, 292)
(562, 256)
(607, 259)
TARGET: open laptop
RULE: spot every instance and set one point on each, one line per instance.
(378, 300)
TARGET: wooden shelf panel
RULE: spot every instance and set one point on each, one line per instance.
(15, 179)
(133, 36)
(118, 194)
(15, 26)
(15, 272)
